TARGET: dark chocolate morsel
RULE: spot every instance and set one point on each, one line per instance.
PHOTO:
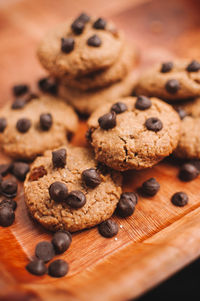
(58, 268)
(45, 251)
(7, 216)
(91, 177)
(59, 158)
(58, 191)
(46, 121)
(143, 103)
(9, 188)
(36, 267)
(19, 90)
(67, 44)
(119, 107)
(154, 124)
(23, 125)
(172, 86)
(108, 229)
(99, 24)
(150, 187)
(94, 41)
(188, 172)
(179, 199)
(10, 203)
(48, 85)
(76, 199)
(194, 66)
(61, 241)
(107, 121)
(126, 204)
(20, 170)
(166, 67)
(18, 104)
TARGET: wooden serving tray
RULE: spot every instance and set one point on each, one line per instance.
(159, 238)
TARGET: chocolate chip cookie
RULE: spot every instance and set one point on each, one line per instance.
(133, 133)
(171, 81)
(79, 47)
(77, 194)
(86, 102)
(42, 123)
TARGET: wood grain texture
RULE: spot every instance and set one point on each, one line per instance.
(159, 238)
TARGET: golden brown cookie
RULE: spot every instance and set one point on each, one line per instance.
(83, 199)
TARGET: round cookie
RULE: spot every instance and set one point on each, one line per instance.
(139, 135)
(54, 215)
(105, 77)
(82, 58)
(86, 102)
(42, 124)
(171, 81)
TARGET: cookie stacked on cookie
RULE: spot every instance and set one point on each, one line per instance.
(91, 60)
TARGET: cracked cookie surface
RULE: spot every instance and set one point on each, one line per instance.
(26, 136)
(130, 145)
(100, 203)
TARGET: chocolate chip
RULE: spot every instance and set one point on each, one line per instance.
(23, 125)
(3, 124)
(150, 187)
(45, 251)
(99, 24)
(18, 104)
(46, 121)
(76, 199)
(83, 18)
(143, 103)
(154, 124)
(108, 228)
(9, 188)
(10, 203)
(78, 26)
(61, 241)
(67, 44)
(126, 204)
(196, 163)
(20, 170)
(194, 66)
(179, 199)
(19, 90)
(59, 158)
(181, 112)
(107, 121)
(188, 172)
(58, 268)
(91, 177)
(172, 86)
(58, 191)
(94, 41)
(36, 267)
(119, 107)
(37, 173)
(7, 216)
(48, 85)
(5, 169)
(166, 67)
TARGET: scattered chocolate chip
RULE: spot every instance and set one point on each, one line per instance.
(76, 199)
(59, 158)
(91, 177)
(3, 124)
(143, 103)
(7, 216)
(154, 124)
(181, 112)
(179, 199)
(150, 187)
(108, 228)
(67, 44)
(188, 172)
(58, 268)
(20, 170)
(37, 173)
(119, 107)
(19, 90)
(5, 169)
(46, 121)
(94, 41)
(194, 66)
(9, 202)
(23, 125)
(36, 267)
(78, 26)
(172, 86)
(45, 251)
(18, 104)
(166, 67)
(83, 17)
(88, 134)
(48, 85)
(99, 24)
(126, 204)
(9, 188)
(61, 241)
(107, 121)
(58, 191)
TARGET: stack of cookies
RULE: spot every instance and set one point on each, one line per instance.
(91, 61)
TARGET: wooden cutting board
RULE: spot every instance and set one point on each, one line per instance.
(159, 238)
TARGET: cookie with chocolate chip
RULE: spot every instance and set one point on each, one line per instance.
(78, 47)
(140, 136)
(171, 81)
(73, 195)
(43, 123)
